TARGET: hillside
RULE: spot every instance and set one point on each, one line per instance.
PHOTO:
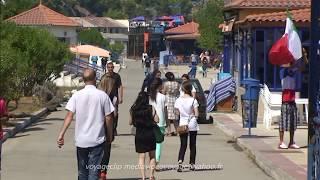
(112, 8)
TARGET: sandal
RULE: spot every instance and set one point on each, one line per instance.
(152, 178)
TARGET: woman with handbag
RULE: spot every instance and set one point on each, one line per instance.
(158, 102)
(187, 107)
(144, 118)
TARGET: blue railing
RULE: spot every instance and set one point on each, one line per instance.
(77, 66)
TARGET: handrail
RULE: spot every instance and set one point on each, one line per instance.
(77, 67)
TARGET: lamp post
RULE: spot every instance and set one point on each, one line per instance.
(314, 96)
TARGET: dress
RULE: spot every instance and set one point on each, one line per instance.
(145, 140)
(172, 93)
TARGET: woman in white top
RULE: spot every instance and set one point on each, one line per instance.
(187, 107)
(185, 77)
(158, 101)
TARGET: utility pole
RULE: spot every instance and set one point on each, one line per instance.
(314, 95)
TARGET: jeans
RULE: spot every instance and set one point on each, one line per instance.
(183, 146)
(159, 146)
(89, 161)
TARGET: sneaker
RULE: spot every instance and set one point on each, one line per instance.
(283, 146)
(179, 168)
(294, 146)
(192, 167)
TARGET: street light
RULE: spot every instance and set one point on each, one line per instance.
(314, 96)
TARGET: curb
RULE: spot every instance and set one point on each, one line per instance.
(23, 124)
(257, 157)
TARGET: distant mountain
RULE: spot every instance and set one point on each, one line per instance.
(112, 8)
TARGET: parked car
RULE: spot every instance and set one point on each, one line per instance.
(200, 96)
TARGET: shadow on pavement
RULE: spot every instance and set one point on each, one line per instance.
(18, 136)
(33, 129)
(255, 136)
(125, 134)
(283, 151)
(40, 123)
(51, 119)
(204, 134)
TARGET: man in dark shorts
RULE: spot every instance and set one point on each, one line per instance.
(118, 92)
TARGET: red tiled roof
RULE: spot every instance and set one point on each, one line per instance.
(42, 15)
(301, 15)
(189, 28)
(291, 4)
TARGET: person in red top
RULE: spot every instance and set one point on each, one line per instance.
(3, 113)
(289, 117)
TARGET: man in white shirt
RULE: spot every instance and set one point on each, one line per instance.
(93, 110)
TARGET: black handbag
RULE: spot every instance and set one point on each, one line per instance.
(158, 134)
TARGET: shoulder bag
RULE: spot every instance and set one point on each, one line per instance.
(184, 129)
(157, 132)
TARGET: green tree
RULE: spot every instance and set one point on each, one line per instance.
(92, 37)
(29, 56)
(209, 17)
(117, 47)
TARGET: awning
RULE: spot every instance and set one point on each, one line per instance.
(90, 50)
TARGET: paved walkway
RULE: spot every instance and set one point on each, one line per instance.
(262, 145)
(33, 154)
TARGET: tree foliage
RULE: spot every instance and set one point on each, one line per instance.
(111, 8)
(209, 17)
(93, 37)
(28, 56)
(117, 47)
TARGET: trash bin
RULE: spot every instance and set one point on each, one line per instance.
(249, 109)
(249, 102)
(252, 87)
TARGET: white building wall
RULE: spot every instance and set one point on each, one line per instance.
(69, 33)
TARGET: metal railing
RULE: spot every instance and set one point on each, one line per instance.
(77, 66)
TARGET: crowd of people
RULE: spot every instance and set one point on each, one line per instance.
(168, 105)
(165, 105)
